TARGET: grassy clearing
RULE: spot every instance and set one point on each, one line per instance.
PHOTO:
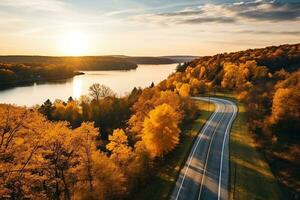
(161, 185)
(251, 176)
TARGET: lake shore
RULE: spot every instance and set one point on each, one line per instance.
(120, 81)
(29, 82)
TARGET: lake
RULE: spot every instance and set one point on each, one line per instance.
(121, 82)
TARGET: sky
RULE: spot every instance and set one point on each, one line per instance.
(145, 27)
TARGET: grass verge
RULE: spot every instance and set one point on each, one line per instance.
(251, 176)
(160, 186)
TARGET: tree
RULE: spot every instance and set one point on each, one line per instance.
(181, 67)
(285, 116)
(60, 159)
(149, 99)
(118, 145)
(109, 180)
(98, 91)
(184, 90)
(7, 76)
(161, 132)
(86, 136)
(70, 112)
(47, 109)
(152, 85)
(21, 137)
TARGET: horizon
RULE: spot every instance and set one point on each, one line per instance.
(111, 55)
(140, 28)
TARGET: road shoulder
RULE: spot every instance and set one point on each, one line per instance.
(250, 174)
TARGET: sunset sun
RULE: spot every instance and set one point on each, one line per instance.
(73, 43)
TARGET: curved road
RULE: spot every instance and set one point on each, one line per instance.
(205, 174)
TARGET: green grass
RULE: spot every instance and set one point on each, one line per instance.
(161, 185)
(251, 176)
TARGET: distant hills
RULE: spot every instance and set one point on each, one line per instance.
(159, 59)
(181, 59)
(94, 62)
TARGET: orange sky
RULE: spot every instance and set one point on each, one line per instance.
(131, 27)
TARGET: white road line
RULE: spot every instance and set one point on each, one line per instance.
(207, 155)
(198, 140)
(223, 145)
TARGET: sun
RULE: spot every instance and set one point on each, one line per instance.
(74, 43)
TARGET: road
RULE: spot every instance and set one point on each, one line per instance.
(205, 174)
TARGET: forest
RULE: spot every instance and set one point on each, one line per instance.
(17, 74)
(267, 80)
(89, 62)
(77, 63)
(98, 147)
(102, 146)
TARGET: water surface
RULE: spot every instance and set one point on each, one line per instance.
(121, 82)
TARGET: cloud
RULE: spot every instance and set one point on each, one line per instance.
(243, 12)
(121, 12)
(201, 20)
(269, 32)
(267, 11)
(181, 13)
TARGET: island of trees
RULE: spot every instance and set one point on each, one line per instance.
(106, 147)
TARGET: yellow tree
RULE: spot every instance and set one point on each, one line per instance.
(184, 90)
(110, 180)
(149, 99)
(202, 72)
(60, 158)
(85, 140)
(230, 75)
(21, 137)
(286, 104)
(118, 145)
(161, 132)
(98, 176)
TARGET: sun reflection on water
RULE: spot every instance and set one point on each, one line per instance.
(77, 88)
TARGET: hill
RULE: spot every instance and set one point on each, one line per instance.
(267, 81)
(274, 57)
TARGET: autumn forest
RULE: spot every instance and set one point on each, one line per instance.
(105, 146)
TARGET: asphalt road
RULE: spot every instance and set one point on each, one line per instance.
(205, 174)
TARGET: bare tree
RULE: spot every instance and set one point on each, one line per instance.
(98, 91)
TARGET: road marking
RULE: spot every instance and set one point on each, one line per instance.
(207, 155)
(198, 140)
(223, 145)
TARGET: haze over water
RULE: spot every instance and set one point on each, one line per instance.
(121, 82)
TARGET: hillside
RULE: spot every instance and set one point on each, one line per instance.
(267, 81)
(273, 57)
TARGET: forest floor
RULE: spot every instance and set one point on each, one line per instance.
(161, 185)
